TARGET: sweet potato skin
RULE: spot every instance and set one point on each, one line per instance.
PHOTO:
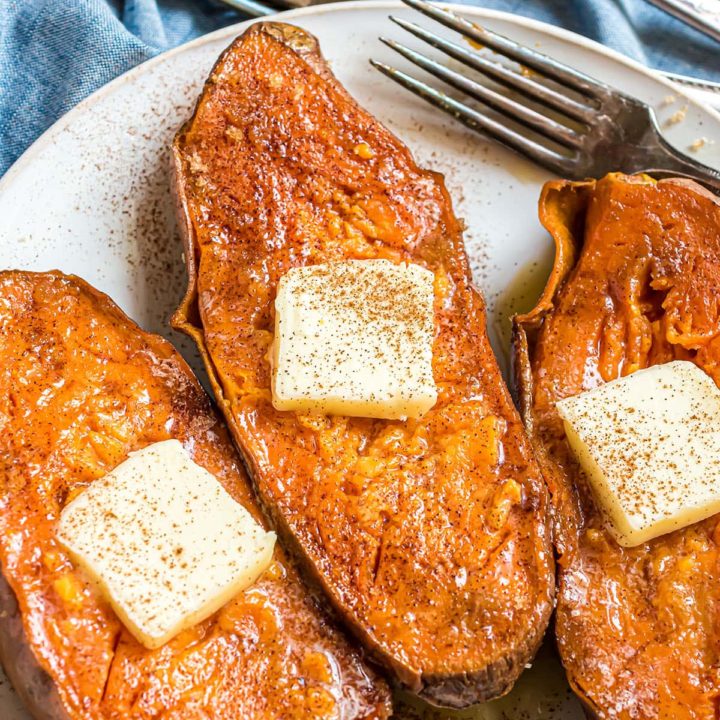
(81, 386)
(31, 682)
(634, 284)
(430, 537)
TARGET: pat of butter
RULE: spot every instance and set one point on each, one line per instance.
(355, 338)
(650, 446)
(165, 541)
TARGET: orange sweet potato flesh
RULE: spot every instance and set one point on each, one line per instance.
(430, 537)
(636, 283)
(81, 386)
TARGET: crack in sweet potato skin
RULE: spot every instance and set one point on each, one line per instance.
(411, 527)
(638, 628)
(80, 387)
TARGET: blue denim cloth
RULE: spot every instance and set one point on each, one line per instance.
(53, 53)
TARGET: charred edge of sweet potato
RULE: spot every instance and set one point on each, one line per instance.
(34, 686)
(463, 690)
(493, 681)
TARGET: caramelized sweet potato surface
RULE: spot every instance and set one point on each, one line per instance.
(429, 536)
(81, 386)
(636, 283)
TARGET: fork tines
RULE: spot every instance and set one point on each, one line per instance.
(589, 93)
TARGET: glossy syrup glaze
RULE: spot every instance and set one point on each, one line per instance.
(636, 283)
(81, 386)
(430, 536)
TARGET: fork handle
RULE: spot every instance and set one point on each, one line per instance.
(672, 163)
(704, 21)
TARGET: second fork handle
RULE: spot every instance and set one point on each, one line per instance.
(680, 10)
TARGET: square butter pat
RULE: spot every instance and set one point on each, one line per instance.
(650, 446)
(165, 541)
(355, 338)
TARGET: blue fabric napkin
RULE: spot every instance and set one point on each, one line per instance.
(53, 53)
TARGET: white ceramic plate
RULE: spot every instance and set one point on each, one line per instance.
(91, 197)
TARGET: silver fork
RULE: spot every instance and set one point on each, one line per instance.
(603, 130)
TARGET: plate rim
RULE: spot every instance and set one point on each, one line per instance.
(47, 136)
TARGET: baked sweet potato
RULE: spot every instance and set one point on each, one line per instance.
(430, 537)
(81, 386)
(635, 283)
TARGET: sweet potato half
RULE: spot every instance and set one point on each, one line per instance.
(81, 386)
(430, 537)
(636, 282)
